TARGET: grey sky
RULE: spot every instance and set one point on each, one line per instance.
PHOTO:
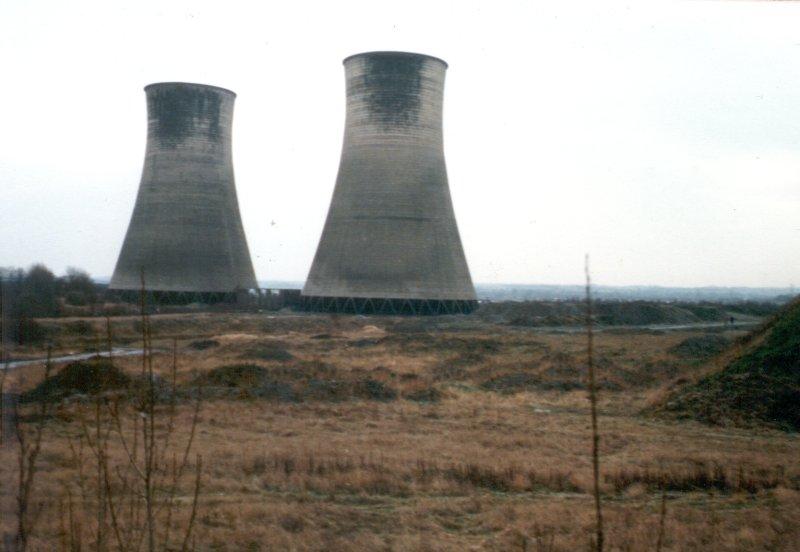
(663, 138)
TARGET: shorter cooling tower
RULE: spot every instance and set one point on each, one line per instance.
(390, 243)
(186, 233)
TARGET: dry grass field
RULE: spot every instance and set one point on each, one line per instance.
(378, 433)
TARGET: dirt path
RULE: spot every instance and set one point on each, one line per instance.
(119, 352)
(650, 327)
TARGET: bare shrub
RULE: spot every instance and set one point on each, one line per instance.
(29, 431)
(138, 469)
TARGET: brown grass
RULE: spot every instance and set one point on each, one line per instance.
(481, 468)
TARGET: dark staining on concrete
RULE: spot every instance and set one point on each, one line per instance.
(186, 231)
(390, 243)
(392, 84)
(179, 110)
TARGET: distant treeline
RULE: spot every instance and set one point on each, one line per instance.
(38, 293)
(532, 292)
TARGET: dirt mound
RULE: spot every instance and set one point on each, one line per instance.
(337, 390)
(367, 332)
(203, 344)
(758, 382)
(641, 313)
(90, 377)
(235, 375)
(515, 382)
(615, 313)
(424, 395)
(511, 383)
(307, 381)
(701, 346)
(245, 380)
(266, 350)
(533, 313)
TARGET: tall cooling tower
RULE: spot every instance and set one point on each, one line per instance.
(390, 243)
(186, 232)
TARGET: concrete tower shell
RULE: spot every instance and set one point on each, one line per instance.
(390, 242)
(186, 231)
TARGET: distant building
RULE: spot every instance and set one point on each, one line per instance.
(186, 233)
(390, 243)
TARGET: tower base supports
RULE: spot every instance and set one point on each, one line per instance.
(362, 305)
(178, 297)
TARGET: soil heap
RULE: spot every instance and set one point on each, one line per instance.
(757, 381)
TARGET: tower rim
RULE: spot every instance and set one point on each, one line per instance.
(395, 52)
(197, 84)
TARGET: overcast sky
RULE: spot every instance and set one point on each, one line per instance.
(662, 138)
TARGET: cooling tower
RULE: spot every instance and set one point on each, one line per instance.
(390, 243)
(186, 232)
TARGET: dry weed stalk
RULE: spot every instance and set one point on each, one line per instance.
(29, 440)
(662, 521)
(3, 373)
(593, 402)
(135, 499)
(3, 365)
(544, 538)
